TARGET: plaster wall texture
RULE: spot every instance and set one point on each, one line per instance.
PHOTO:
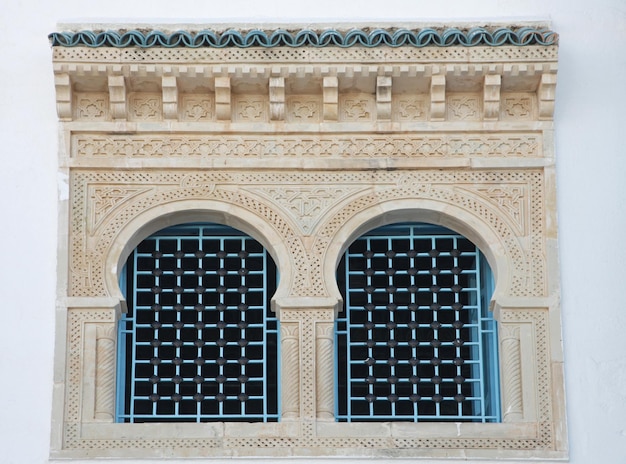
(590, 167)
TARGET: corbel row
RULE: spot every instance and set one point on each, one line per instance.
(489, 78)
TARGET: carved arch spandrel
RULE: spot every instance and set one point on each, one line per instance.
(437, 203)
(178, 198)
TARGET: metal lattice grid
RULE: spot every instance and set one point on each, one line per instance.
(199, 342)
(416, 341)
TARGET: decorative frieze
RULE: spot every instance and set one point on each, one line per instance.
(346, 147)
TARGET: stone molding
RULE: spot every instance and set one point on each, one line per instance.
(305, 149)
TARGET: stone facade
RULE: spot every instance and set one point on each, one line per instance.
(305, 149)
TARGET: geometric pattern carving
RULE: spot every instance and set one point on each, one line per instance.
(306, 436)
(309, 55)
(104, 199)
(303, 108)
(352, 146)
(307, 205)
(287, 201)
(511, 200)
(464, 108)
(251, 108)
(145, 106)
(197, 107)
(358, 107)
(407, 108)
(92, 106)
(518, 106)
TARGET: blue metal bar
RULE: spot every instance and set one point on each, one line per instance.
(173, 317)
(394, 299)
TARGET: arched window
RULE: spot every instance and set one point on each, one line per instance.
(199, 342)
(415, 340)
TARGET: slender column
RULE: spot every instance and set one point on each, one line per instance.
(105, 372)
(324, 376)
(307, 357)
(290, 369)
(512, 399)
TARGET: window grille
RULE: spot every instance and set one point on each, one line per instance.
(199, 342)
(416, 341)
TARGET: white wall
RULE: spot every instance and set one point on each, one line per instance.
(590, 125)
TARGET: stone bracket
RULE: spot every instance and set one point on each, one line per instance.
(383, 97)
(170, 97)
(117, 97)
(438, 98)
(277, 98)
(331, 98)
(491, 97)
(546, 94)
(222, 98)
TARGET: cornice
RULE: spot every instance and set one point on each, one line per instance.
(318, 38)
